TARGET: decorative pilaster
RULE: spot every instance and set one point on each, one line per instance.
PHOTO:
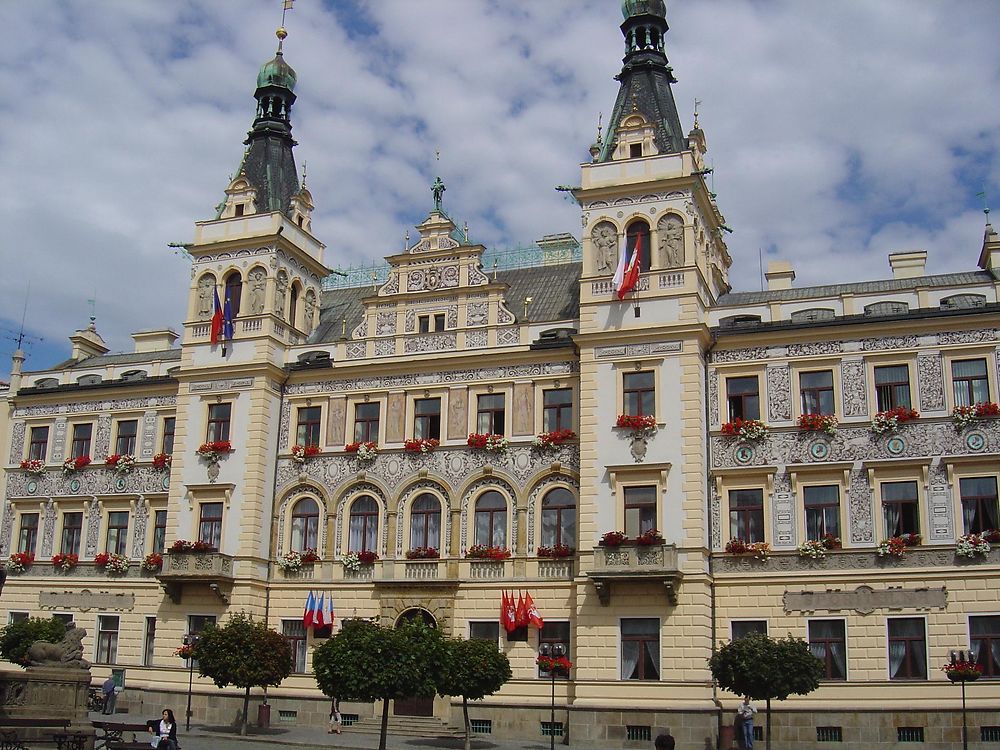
(860, 519)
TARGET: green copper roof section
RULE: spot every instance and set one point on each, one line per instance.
(277, 72)
(641, 7)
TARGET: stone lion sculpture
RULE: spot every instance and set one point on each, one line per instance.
(67, 653)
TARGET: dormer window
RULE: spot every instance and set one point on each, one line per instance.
(240, 208)
(634, 150)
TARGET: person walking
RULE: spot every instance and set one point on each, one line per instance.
(335, 720)
(744, 723)
(108, 688)
(664, 742)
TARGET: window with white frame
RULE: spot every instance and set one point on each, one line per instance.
(27, 535)
(822, 510)
(363, 525)
(117, 538)
(559, 518)
(107, 639)
(900, 508)
(491, 519)
(746, 515)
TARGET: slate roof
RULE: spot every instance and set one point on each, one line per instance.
(862, 287)
(555, 293)
(123, 358)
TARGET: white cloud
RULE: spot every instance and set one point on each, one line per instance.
(839, 131)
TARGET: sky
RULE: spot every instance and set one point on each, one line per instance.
(839, 132)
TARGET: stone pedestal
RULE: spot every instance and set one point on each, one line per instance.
(47, 693)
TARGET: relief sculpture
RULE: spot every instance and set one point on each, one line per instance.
(604, 238)
(671, 232)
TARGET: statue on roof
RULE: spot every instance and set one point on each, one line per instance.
(438, 189)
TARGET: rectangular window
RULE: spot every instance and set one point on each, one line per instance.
(107, 639)
(159, 530)
(117, 540)
(28, 534)
(167, 445)
(308, 430)
(17, 616)
(427, 419)
(125, 442)
(490, 414)
(979, 504)
(817, 392)
(210, 524)
(438, 322)
(822, 506)
(743, 397)
(366, 417)
(39, 444)
(984, 632)
(424, 324)
(148, 642)
(639, 392)
(196, 624)
(81, 440)
(485, 631)
(640, 510)
(64, 617)
(640, 648)
(892, 387)
(219, 416)
(557, 409)
(746, 515)
(741, 628)
(554, 633)
(72, 533)
(899, 508)
(970, 382)
(295, 633)
(907, 648)
(828, 643)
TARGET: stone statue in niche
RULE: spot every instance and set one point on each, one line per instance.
(605, 240)
(671, 231)
(258, 283)
(280, 290)
(205, 303)
(309, 308)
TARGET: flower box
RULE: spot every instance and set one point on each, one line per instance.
(649, 538)
(746, 430)
(558, 550)
(64, 562)
(485, 552)
(760, 550)
(364, 451)
(552, 440)
(112, 563)
(162, 461)
(19, 562)
(965, 416)
(421, 445)
(309, 556)
(422, 553)
(962, 671)
(300, 453)
(121, 463)
(818, 423)
(971, 545)
(895, 546)
(213, 451)
(153, 562)
(554, 665)
(890, 421)
(353, 561)
(487, 442)
(613, 539)
(817, 548)
(73, 465)
(33, 466)
(182, 546)
(641, 425)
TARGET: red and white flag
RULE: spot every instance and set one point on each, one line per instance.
(521, 618)
(620, 269)
(509, 613)
(631, 275)
(307, 613)
(534, 616)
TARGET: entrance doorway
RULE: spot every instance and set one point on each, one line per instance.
(417, 705)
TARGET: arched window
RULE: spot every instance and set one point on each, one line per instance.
(293, 303)
(638, 233)
(364, 525)
(491, 519)
(559, 518)
(234, 288)
(305, 525)
(425, 522)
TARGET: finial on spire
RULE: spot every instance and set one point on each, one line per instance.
(697, 102)
(600, 120)
(986, 205)
(303, 173)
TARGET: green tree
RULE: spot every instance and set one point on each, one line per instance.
(243, 653)
(16, 638)
(474, 669)
(366, 662)
(766, 669)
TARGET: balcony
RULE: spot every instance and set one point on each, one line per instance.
(635, 564)
(213, 569)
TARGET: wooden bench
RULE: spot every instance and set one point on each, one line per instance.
(12, 733)
(114, 736)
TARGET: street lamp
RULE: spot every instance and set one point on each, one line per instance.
(190, 640)
(552, 651)
(963, 669)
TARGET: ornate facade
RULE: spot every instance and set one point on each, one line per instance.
(780, 530)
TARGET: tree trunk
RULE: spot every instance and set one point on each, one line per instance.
(468, 729)
(767, 735)
(246, 711)
(385, 723)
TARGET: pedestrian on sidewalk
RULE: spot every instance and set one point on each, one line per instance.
(108, 688)
(334, 716)
(664, 742)
(744, 723)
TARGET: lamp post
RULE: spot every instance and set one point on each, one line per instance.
(189, 640)
(963, 669)
(552, 651)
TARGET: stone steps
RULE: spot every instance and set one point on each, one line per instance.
(405, 726)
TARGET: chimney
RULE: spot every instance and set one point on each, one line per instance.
(989, 259)
(908, 265)
(780, 275)
(87, 343)
(16, 365)
(154, 341)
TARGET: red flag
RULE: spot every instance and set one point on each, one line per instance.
(510, 613)
(503, 611)
(217, 319)
(307, 613)
(521, 618)
(534, 616)
(631, 277)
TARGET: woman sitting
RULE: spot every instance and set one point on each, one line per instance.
(164, 732)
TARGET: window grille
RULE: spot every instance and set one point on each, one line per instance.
(829, 734)
(552, 729)
(909, 734)
(638, 733)
(481, 726)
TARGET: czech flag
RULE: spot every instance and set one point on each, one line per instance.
(308, 612)
(630, 277)
(319, 620)
(216, 319)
